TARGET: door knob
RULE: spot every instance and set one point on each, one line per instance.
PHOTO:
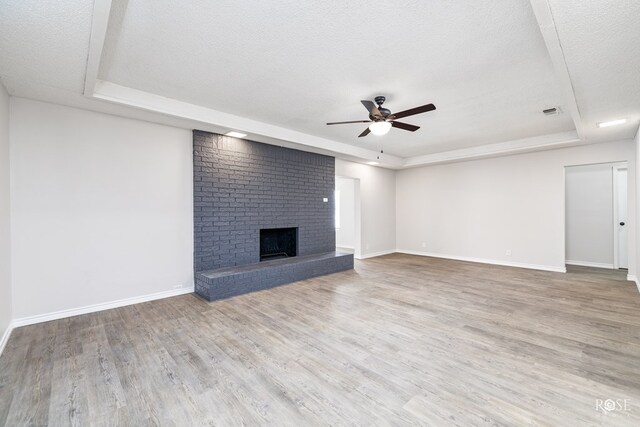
(622, 223)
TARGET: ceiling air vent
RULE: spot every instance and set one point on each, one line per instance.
(552, 111)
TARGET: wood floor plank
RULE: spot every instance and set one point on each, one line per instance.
(31, 399)
(400, 340)
(68, 404)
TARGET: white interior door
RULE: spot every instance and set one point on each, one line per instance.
(620, 225)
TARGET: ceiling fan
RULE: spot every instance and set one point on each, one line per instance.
(382, 120)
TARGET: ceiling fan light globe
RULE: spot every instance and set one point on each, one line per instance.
(380, 128)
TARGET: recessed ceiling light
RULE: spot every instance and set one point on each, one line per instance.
(236, 134)
(373, 163)
(611, 123)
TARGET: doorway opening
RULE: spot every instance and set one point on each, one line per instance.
(596, 225)
(347, 215)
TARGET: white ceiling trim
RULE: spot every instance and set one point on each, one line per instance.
(130, 97)
(112, 92)
(99, 25)
(538, 143)
(544, 16)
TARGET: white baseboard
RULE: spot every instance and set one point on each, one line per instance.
(634, 278)
(486, 261)
(375, 254)
(589, 264)
(5, 337)
(24, 321)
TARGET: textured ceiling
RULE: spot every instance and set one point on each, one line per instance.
(44, 42)
(300, 64)
(601, 44)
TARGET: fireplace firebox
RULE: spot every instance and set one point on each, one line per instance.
(278, 243)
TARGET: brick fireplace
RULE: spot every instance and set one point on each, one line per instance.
(260, 208)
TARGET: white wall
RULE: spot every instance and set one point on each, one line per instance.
(5, 245)
(481, 209)
(589, 215)
(101, 208)
(377, 205)
(346, 234)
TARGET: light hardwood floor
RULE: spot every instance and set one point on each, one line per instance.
(401, 340)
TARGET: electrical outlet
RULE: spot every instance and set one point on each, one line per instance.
(424, 244)
(508, 252)
(177, 287)
(325, 200)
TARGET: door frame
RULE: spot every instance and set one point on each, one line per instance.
(619, 164)
(616, 250)
(357, 250)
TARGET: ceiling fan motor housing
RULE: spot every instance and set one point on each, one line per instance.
(384, 111)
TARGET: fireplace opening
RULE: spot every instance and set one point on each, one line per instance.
(278, 243)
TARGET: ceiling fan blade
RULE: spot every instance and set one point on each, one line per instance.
(405, 126)
(364, 133)
(413, 111)
(371, 108)
(354, 121)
